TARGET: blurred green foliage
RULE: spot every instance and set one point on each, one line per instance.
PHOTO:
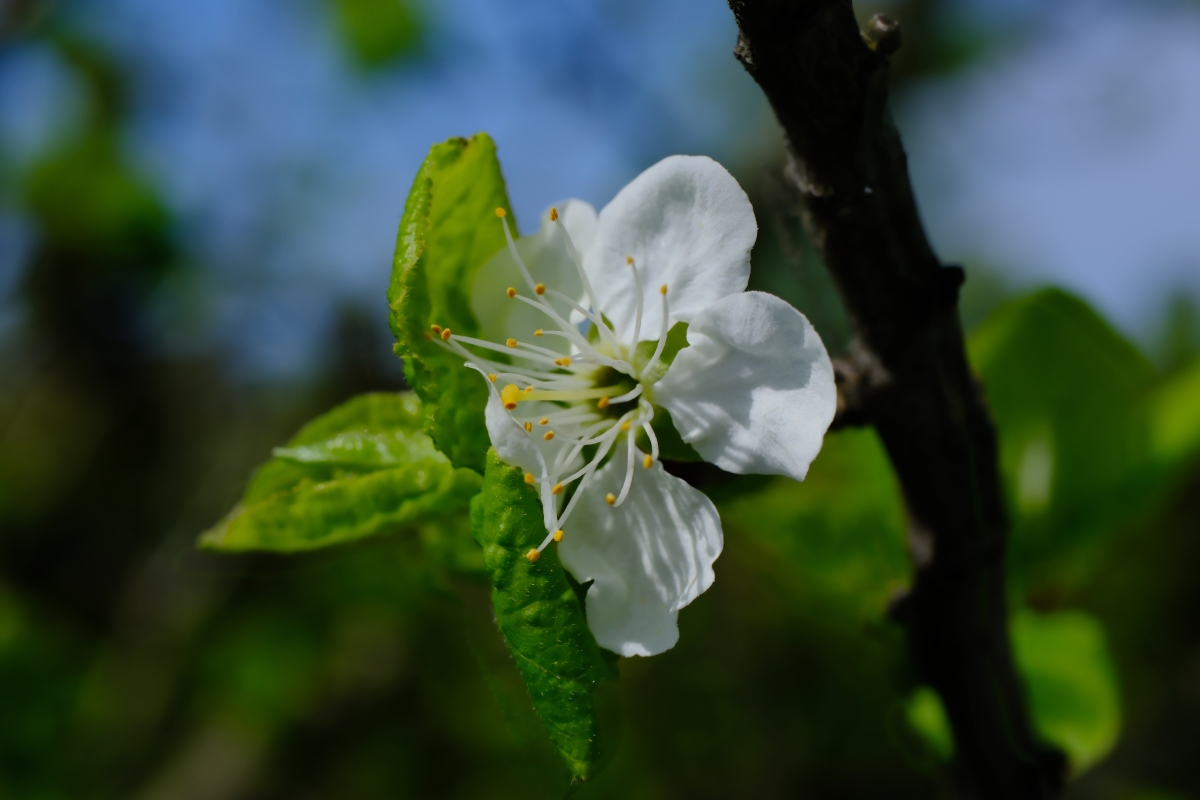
(133, 667)
(377, 33)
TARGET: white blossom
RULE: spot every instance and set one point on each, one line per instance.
(573, 404)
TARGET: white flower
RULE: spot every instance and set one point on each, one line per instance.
(753, 391)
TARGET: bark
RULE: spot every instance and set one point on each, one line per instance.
(907, 374)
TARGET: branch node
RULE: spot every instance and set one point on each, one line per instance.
(882, 35)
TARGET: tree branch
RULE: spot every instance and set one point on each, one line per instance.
(908, 373)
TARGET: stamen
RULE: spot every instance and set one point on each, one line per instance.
(508, 396)
(558, 535)
(653, 442)
(648, 461)
(539, 289)
(492, 377)
(544, 421)
(500, 212)
(558, 489)
(528, 427)
(610, 498)
(553, 214)
(533, 555)
(511, 292)
(602, 402)
(637, 285)
(529, 478)
(628, 484)
(437, 329)
(538, 332)
(662, 335)
(625, 426)
(446, 335)
(512, 343)
(571, 251)
(529, 388)
(548, 435)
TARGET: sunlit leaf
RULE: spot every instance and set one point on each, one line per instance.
(362, 469)
(927, 717)
(841, 531)
(568, 676)
(378, 32)
(1071, 682)
(1067, 393)
(449, 229)
(1175, 418)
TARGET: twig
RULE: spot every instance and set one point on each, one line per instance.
(908, 375)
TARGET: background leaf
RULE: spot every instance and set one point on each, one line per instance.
(568, 676)
(1071, 682)
(364, 468)
(449, 229)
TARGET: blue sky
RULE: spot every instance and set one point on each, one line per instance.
(1067, 158)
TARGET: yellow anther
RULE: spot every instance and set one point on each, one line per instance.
(538, 332)
(437, 329)
(529, 388)
(529, 478)
(544, 421)
(663, 290)
(648, 462)
(492, 377)
(511, 343)
(428, 336)
(548, 435)
(553, 214)
(629, 260)
(528, 427)
(602, 402)
(558, 534)
(558, 489)
(508, 395)
(625, 425)
(566, 361)
(533, 555)
(511, 292)
(540, 288)
(610, 498)
(446, 334)
(500, 212)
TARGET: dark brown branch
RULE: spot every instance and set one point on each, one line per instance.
(827, 82)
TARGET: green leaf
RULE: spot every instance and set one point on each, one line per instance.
(567, 674)
(449, 229)
(840, 533)
(362, 469)
(1068, 396)
(1175, 418)
(1071, 682)
(927, 716)
(377, 32)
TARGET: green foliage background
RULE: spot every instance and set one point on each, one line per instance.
(132, 665)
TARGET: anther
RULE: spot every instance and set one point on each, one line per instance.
(602, 402)
(492, 377)
(558, 534)
(528, 427)
(548, 435)
(446, 334)
(529, 388)
(544, 421)
(538, 332)
(437, 329)
(529, 478)
(629, 260)
(540, 288)
(511, 292)
(610, 498)
(648, 462)
(554, 215)
(508, 395)
(663, 290)
(566, 361)
(511, 343)
(625, 425)
(533, 555)
(558, 489)
(500, 213)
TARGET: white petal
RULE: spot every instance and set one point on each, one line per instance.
(545, 254)
(686, 223)
(647, 558)
(753, 392)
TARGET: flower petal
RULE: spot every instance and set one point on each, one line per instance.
(646, 558)
(753, 392)
(687, 224)
(546, 256)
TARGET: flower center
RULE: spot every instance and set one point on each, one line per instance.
(589, 401)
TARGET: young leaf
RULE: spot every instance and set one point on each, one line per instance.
(567, 674)
(364, 468)
(1071, 681)
(449, 229)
